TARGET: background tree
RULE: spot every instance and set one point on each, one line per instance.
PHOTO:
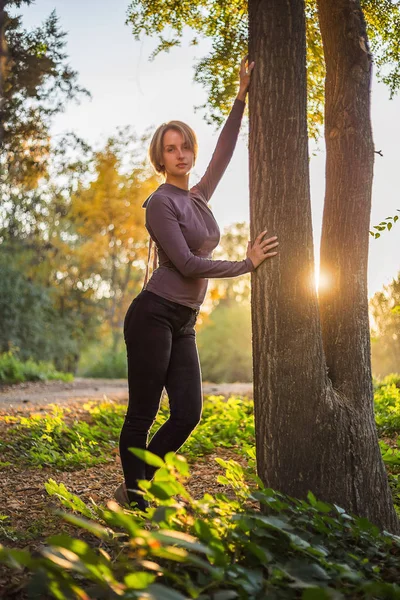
(109, 220)
(37, 82)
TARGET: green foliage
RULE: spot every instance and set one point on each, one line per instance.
(386, 224)
(226, 25)
(228, 424)
(387, 405)
(30, 322)
(232, 246)
(13, 370)
(54, 439)
(57, 439)
(384, 308)
(214, 547)
(48, 440)
(106, 363)
(225, 344)
(38, 82)
(69, 500)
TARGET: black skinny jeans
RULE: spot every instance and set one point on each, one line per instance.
(161, 347)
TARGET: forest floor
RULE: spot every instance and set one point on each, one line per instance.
(27, 512)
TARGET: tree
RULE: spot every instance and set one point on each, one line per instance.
(312, 375)
(312, 385)
(35, 84)
(108, 217)
(226, 25)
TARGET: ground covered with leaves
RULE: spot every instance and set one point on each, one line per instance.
(204, 535)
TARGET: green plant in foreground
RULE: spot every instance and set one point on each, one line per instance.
(213, 547)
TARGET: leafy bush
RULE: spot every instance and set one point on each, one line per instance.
(13, 370)
(103, 363)
(387, 405)
(213, 548)
(30, 320)
(225, 344)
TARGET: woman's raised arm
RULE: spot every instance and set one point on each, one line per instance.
(223, 151)
(227, 138)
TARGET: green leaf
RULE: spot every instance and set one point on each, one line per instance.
(16, 558)
(203, 530)
(179, 462)
(139, 580)
(148, 457)
(67, 499)
(311, 498)
(323, 507)
(97, 530)
(263, 555)
(163, 513)
(184, 540)
(222, 479)
(306, 572)
(162, 490)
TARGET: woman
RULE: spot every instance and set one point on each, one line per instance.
(159, 324)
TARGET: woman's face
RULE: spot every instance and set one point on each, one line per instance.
(177, 156)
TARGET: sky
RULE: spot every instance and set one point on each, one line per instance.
(128, 89)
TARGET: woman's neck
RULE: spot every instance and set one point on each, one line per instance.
(180, 182)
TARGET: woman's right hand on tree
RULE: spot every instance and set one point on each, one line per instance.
(260, 249)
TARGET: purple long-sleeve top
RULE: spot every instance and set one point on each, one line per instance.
(185, 231)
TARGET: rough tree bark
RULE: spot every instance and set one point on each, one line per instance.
(314, 417)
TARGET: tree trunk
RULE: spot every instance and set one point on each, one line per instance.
(310, 434)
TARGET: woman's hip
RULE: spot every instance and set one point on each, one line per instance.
(149, 312)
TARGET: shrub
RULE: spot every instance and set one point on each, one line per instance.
(214, 547)
(13, 370)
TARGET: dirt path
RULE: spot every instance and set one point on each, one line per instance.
(81, 389)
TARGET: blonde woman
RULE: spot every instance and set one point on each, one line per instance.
(159, 324)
